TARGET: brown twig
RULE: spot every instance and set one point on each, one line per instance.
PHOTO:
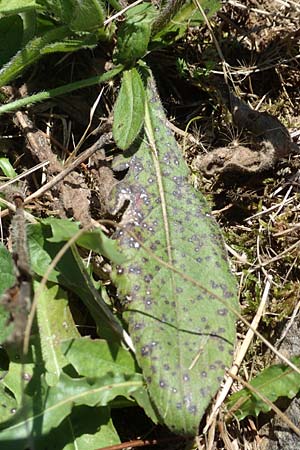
(142, 443)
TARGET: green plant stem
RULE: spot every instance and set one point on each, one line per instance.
(46, 95)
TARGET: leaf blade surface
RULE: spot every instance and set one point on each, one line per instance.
(180, 326)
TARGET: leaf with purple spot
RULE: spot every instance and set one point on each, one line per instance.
(177, 289)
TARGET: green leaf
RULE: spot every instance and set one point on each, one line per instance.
(8, 404)
(134, 35)
(168, 31)
(7, 168)
(45, 408)
(56, 8)
(129, 109)
(95, 240)
(7, 280)
(94, 428)
(8, 7)
(39, 256)
(5, 331)
(79, 15)
(85, 429)
(71, 44)
(22, 368)
(29, 25)
(99, 243)
(62, 229)
(176, 283)
(141, 396)
(107, 323)
(7, 272)
(71, 274)
(87, 15)
(274, 382)
(110, 357)
(11, 35)
(55, 323)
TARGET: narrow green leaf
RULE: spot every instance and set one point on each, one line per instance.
(29, 19)
(70, 44)
(129, 109)
(55, 323)
(99, 243)
(141, 396)
(274, 382)
(107, 323)
(7, 168)
(176, 283)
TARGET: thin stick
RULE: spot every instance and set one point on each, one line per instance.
(142, 443)
(104, 139)
(23, 175)
(120, 13)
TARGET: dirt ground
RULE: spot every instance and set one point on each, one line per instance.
(243, 149)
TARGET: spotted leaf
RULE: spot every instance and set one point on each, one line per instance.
(176, 283)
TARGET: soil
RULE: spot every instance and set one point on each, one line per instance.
(241, 114)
